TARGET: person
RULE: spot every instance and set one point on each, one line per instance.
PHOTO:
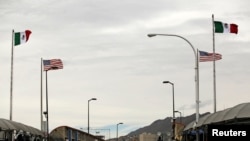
(159, 138)
(19, 138)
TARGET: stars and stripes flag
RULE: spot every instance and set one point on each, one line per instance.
(52, 64)
(205, 56)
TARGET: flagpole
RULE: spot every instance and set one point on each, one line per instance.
(52, 64)
(47, 109)
(214, 73)
(11, 74)
(197, 89)
(41, 94)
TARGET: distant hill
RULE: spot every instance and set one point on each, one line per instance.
(164, 125)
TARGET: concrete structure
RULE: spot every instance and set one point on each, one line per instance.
(66, 133)
(236, 115)
(16, 131)
(148, 137)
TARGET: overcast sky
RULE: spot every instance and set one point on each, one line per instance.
(107, 55)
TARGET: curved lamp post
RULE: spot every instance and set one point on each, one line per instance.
(196, 72)
(179, 113)
(88, 111)
(117, 130)
(173, 122)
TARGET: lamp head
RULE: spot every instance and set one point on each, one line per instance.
(168, 82)
(92, 99)
(151, 35)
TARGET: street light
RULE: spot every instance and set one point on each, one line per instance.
(117, 130)
(173, 123)
(179, 113)
(196, 72)
(88, 111)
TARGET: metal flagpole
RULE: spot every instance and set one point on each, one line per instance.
(41, 94)
(197, 95)
(11, 74)
(197, 86)
(52, 64)
(214, 74)
(47, 109)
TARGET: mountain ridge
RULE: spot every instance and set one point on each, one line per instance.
(164, 125)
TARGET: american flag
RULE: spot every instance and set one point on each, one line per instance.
(205, 56)
(53, 64)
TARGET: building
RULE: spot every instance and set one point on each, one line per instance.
(66, 133)
(16, 131)
(148, 137)
(236, 115)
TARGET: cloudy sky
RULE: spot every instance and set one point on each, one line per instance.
(107, 55)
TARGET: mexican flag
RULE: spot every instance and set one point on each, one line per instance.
(221, 27)
(21, 37)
